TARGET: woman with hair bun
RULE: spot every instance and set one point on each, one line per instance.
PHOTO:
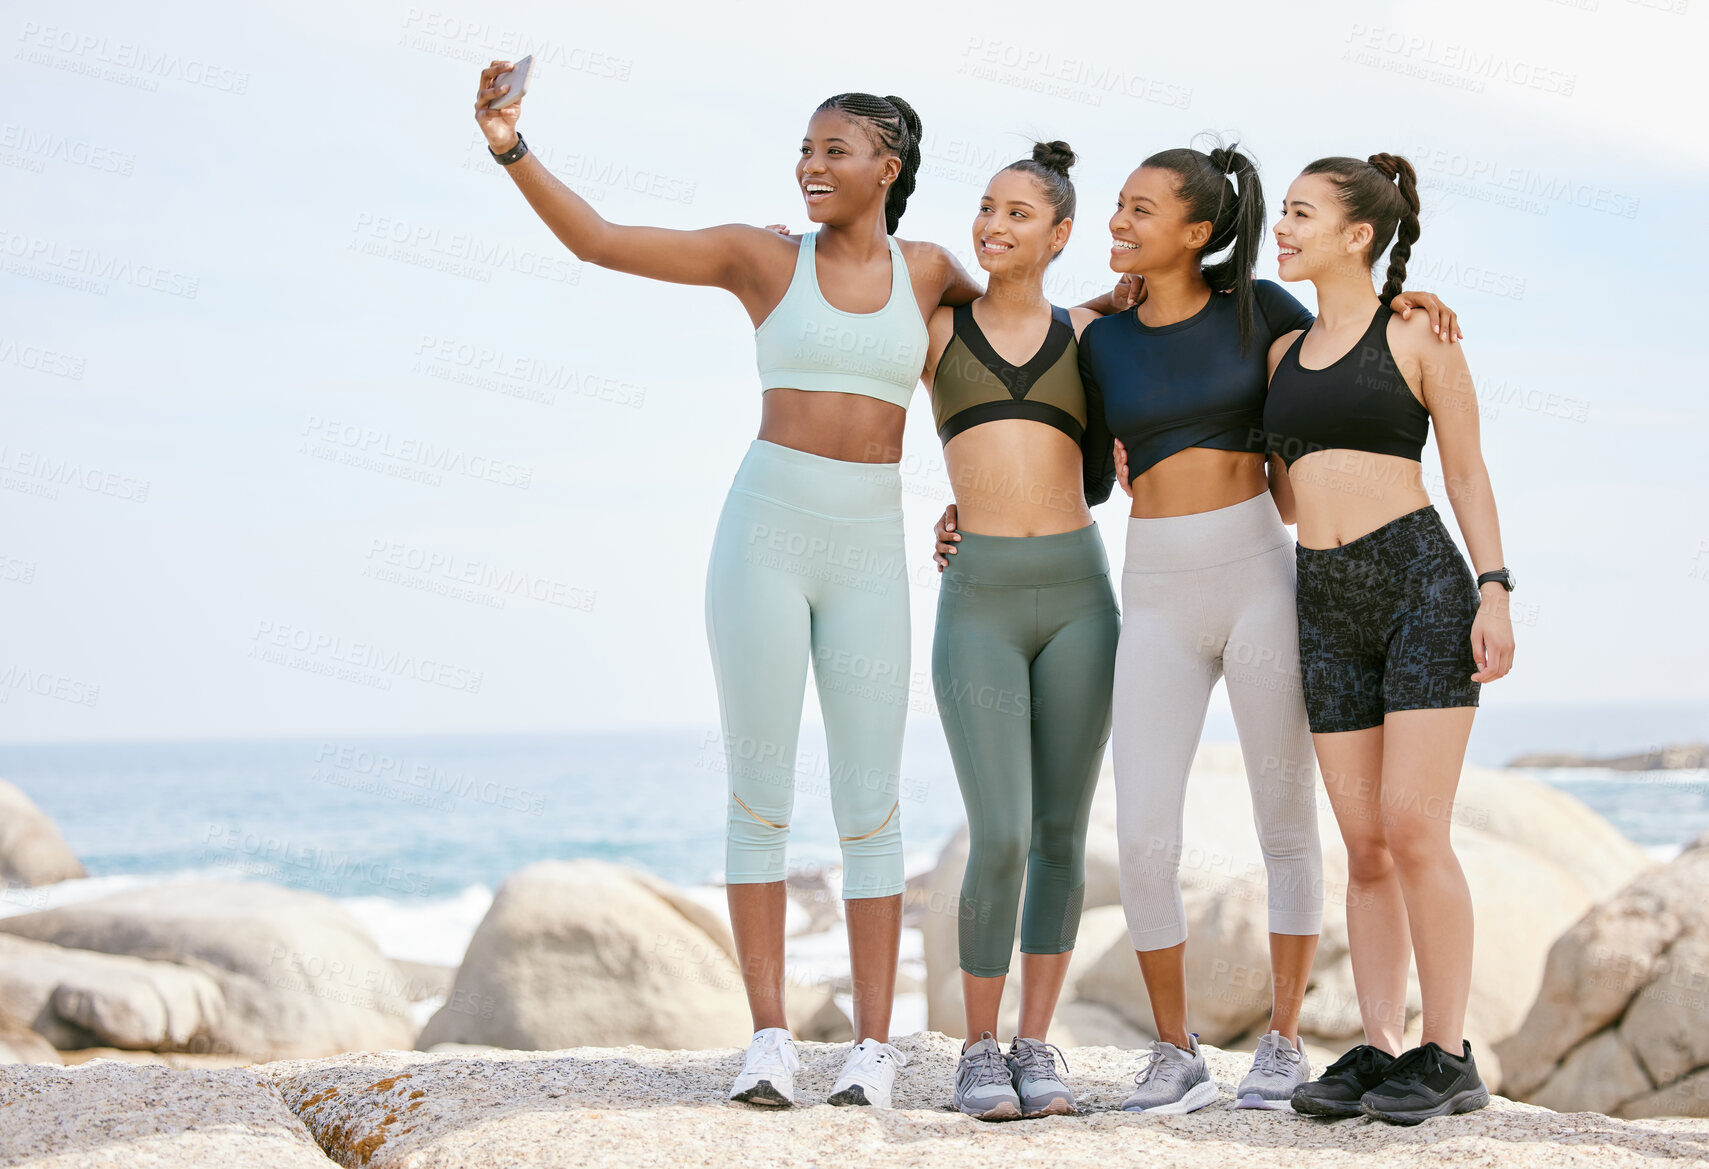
(1026, 627)
(1395, 637)
(807, 561)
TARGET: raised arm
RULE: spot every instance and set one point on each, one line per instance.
(1446, 383)
(732, 256)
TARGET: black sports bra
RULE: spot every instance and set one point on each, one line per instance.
(1359, 402)
(974, 384)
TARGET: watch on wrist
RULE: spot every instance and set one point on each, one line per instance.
(1500, 576)
(511, 155)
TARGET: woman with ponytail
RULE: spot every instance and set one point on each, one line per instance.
(808, 557)
(1395, 636)
(1026, 627)
(1207, 592)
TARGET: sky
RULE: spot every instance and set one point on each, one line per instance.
(308, 425)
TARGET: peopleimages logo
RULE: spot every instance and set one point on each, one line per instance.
(1463, 66)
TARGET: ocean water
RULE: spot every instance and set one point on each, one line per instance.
(413, 835)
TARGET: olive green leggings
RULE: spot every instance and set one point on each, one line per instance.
(1022, 664)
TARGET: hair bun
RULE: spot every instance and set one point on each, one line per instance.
(1057, 155)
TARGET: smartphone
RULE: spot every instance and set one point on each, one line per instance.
(517, 78)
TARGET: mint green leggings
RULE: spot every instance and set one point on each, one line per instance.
(807, 563)
(1022, 663)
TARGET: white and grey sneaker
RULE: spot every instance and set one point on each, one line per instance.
(1277, 1069)
(768, 1074)
(1173, 1081)
(984, 1082)
(868, 1075)
(1041, 1090)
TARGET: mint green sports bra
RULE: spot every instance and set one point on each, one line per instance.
(807, 343)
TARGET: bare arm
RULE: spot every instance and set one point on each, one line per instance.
(730, 256)
(942, 273)
(1446, 384)
(1281, 487)
(939, 330)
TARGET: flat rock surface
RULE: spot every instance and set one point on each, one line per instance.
(138, 1117)
(642, 1106)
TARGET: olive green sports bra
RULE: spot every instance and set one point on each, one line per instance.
(973, 384)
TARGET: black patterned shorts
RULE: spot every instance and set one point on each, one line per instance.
(1386, 624)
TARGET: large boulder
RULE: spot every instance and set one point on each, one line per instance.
(298, 976)
(82, 998)
(1621, 1023)
(19, 1043)
(584, 953)
(32, 852)
(1522, 844)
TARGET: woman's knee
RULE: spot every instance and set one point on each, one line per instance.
(1368, 859)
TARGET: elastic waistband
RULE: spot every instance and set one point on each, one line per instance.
(1028, 562)
(834, 488)
(1410, 529)
(1205, 539)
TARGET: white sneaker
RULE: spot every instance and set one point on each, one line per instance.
(869, 1075)
(768, 1075)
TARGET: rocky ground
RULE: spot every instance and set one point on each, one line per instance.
(645, 1106)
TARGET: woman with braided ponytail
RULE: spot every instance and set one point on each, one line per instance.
(808, 557)
(1395, 636)
(1207, 592)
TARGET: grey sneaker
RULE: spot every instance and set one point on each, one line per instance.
(1041, 1090)
(1172, 1081)
(1277, 1069)
(984, 1088)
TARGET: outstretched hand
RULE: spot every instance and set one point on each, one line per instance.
(499, 126)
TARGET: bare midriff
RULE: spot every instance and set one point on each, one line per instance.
(835, 425)
(1016, 477)
(1195, 480)
(1340, 495)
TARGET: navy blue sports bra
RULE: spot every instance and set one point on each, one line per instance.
(1169, 387)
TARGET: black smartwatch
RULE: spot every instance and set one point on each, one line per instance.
(511, 155)
(1500, 576)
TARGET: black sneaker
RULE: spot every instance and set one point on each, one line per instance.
(1338, 1090)
(1426, 1082)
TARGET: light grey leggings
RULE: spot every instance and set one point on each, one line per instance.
(1206, 596)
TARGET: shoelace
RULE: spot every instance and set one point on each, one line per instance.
(1029, 1053)
(1363, 1060)
(986, 1066)
(1155, 1061)
(774, 1050)
(1413, 1066)
(1271, 1056)
(871, 1054)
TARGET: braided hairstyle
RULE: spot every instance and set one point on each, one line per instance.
(1383, 192)
(896, 127)
(1221, 188)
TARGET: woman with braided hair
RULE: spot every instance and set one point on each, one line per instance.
(808, 557)
(1395, 636)
(1207, 592)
